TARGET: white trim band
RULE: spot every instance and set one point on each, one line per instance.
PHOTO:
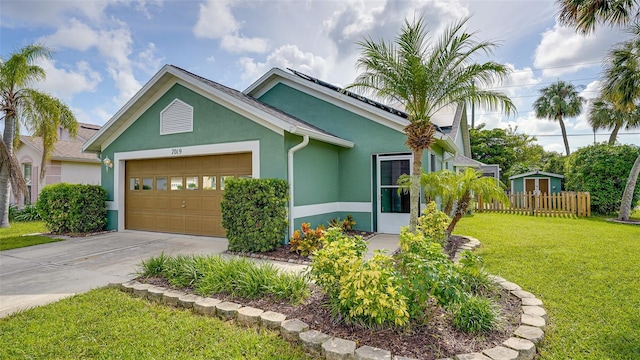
(325, 208)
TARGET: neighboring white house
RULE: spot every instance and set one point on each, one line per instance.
(67, 163)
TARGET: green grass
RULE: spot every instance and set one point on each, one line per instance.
(584, 270)
(12, 237)
(109, 324)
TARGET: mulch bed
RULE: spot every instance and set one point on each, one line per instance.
(435, 340)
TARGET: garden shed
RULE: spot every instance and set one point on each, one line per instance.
(536, 181)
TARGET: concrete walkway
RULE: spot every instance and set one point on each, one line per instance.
(41, 274)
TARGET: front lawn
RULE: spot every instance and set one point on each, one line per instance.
(110, 324)
(585, 271)
(13, 237)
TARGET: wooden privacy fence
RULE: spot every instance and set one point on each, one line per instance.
(563, 204)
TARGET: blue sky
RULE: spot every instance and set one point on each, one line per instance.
(106, 50)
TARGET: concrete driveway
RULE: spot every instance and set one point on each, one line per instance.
(42, 274)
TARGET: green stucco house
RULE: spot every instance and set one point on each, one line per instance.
(167, 152)
(536, 181)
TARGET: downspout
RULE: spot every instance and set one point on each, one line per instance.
(304, 143)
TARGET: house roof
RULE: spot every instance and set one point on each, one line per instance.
(536, 172)
(67, 150)
(375, 111)
(235, 100)
(463, 161)
(86, 131)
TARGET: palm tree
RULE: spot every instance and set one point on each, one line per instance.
(604, 115)
(621, 87)
(556, 102)
(427, 76)
(39, 112)
(584, 15)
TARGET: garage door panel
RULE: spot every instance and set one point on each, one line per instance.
(211, 225)
(175, 203)
(162, 202)
(163, 222)
(148, 203)
(193, 203)
(180, 211)
(211, 204)
(193, 224)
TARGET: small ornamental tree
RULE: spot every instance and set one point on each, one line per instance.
(602, 170)
(254, 213)
(73, 208)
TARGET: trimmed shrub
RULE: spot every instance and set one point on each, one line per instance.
(339, 256)
(602, 170)
(371, 294)
(73, 208)
(254, 213)
(433, 223)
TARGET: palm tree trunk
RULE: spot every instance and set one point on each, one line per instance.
(5, 182)
(461, 209)
(415, 189)
(627, 195)
(614, 134)
(564, 135)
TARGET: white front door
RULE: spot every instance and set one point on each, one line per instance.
(393, 208)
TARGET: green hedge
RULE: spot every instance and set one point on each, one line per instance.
(254, 213)
(602, 170)
(73, 208)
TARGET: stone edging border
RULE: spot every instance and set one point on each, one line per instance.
(521, 346)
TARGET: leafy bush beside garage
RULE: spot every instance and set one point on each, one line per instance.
(73, 208)
(254, 213)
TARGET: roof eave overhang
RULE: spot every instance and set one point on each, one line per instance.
(322, 137)
(74, 159)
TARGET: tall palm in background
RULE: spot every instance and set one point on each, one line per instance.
(584, 15)
(621, 87)
(604, 115)
(556, 102)
(41, 113)
(425, 76)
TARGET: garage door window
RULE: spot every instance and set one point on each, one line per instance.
(147, 183)
(192, 183)
(161, 183)
(209, 182)
(134, 184)
(176, 183)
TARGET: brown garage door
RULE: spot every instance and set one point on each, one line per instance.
(180, 195)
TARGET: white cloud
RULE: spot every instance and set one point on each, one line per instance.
(114, 44)
(238, 44)
(148, 60)
(285, 56)
(355, 20)
(211, 59)
(215, 20)
(64, 83)
(74, 35)
(562, 50)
